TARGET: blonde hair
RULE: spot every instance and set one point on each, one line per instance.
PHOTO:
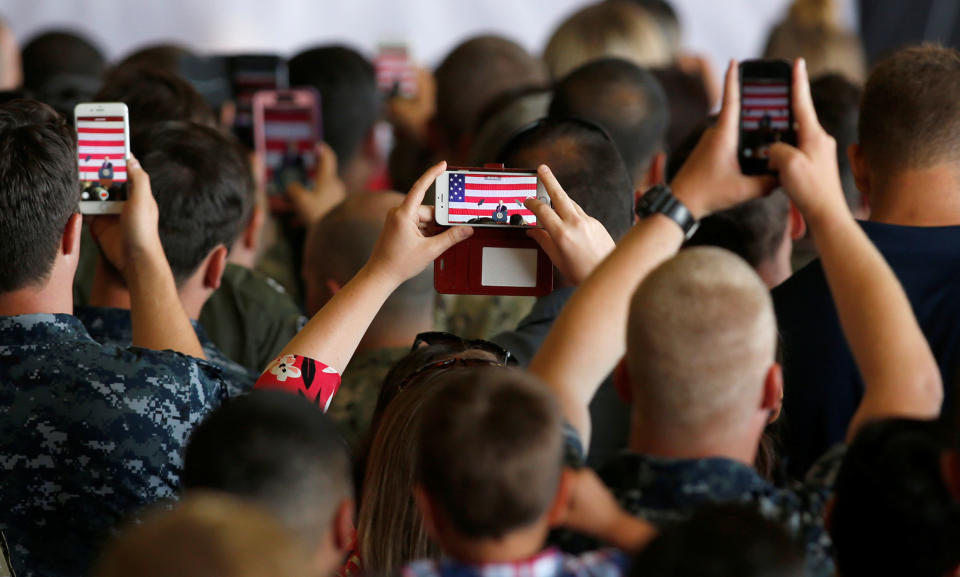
(701, 337)
(206, 535)
(616, 28)
(390, 531)
(812, 30)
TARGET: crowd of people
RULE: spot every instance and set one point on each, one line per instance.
(202, 386)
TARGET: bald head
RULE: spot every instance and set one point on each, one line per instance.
(475, 74)
(701, 339)
(341, 243)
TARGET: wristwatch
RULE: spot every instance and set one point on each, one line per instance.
(660, 200)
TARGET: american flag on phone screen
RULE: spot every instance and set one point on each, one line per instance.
(394, 69)
(768, 99)
(481, 195)
(101, 144)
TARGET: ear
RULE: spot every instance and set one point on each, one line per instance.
(333, 286)
(657, 171)
(557, 514)
(343, 525)
(70, 241)
(858, 165)
(216, 264)
(795, 223)
(428, 512)
(950, 465)
(251, 233)
(621, 381)
(773, 392)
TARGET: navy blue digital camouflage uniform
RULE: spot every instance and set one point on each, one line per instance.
(89, 434)
(112, 326)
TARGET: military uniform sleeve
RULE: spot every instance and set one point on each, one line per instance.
(303, 376)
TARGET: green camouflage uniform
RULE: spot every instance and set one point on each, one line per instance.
(480, 316)
(353, 405)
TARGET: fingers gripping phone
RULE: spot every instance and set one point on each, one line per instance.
(286, 129)
(103, 145)
(488, 198)
(766, 112)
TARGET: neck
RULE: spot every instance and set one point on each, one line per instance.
(777, 268)
(110, 291)
(675, 443)
(391, 332)
(927, 197)
(31, 301)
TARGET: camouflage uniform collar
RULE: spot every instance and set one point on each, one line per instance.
(42, 328)
(115, 318)
(718, 476)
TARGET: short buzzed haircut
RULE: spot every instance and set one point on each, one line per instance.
(837, 102)
(349, 99)
(491, 450)
(476, 73)
(155, 95)
(586, 163)
(626, 100)
(701, 336)
(39, 191)
(910, 110)
(278, 450)
(57, 53)
(203, 186)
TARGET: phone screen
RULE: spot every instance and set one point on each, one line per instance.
(395, 73)
(765, 115)
(102, 158)
(248, 78)
(290, 137)
(490, 198)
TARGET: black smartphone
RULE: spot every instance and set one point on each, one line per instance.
(249, 74)
(766, 112)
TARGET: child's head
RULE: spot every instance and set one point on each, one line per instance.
(490, 460)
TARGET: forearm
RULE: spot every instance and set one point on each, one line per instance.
(159, 321)
(899, 371)
(629, 533)
(334, 333)
(588, 339)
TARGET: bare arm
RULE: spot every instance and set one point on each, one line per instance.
(899, 371)
(592, 509)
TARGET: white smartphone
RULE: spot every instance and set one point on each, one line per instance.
(103, 145)
(487, 198)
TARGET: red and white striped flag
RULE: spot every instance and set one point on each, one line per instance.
(490, 195)
(394, 70)
(766, 98)
(101, 145)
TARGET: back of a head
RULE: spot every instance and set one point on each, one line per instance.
(701, 337)
(837, 102)
(494, 434)
(342, 242)
(476, 73)
(155, 95)
(38, 190)
(206, 535)
(664, 14)
(689, 102)
(812, 31)
(277, 450)
(57, 54)
(203, 186)
(626, 100)
(893, 513)
(349, 100)
(721, 541)
(163, 57)
(619, 28)
(909, 112)
(586, 163)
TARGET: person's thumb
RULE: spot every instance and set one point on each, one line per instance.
(440, 243)
(138, 177)
(297, 193)
(782, 155)
(328, 164)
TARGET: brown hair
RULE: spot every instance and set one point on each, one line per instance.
(910, 110)
(491, 450)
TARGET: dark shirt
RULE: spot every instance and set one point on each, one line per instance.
(112, 326)
(549, 563)
(608, 412)
(89, 434)
(822, 386)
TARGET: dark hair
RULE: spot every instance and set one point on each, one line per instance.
(39, 190)
(155, 95)
(203, 186)
(586, 163)
(62, 68)
(476, 73)
(910, 113)
(276, 449)
(491, 450)
(752, 230)
(837, 102)
(718, 541)
(163, 57)
(689, 102)
(349, 100)
(893, 513)
(624, 99)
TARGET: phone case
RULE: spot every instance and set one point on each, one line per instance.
(494, 261)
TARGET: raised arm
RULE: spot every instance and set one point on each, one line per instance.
(589, 337)
(132, 245)
(899, 371)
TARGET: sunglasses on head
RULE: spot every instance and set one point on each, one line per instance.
(431, 338)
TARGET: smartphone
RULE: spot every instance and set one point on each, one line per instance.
(103, 145)
(396, 75)
(766, 112)
(487, 197)
(286, 130)
(250, 73)
(208, 76)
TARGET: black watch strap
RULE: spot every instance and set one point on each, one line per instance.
(660, 200)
